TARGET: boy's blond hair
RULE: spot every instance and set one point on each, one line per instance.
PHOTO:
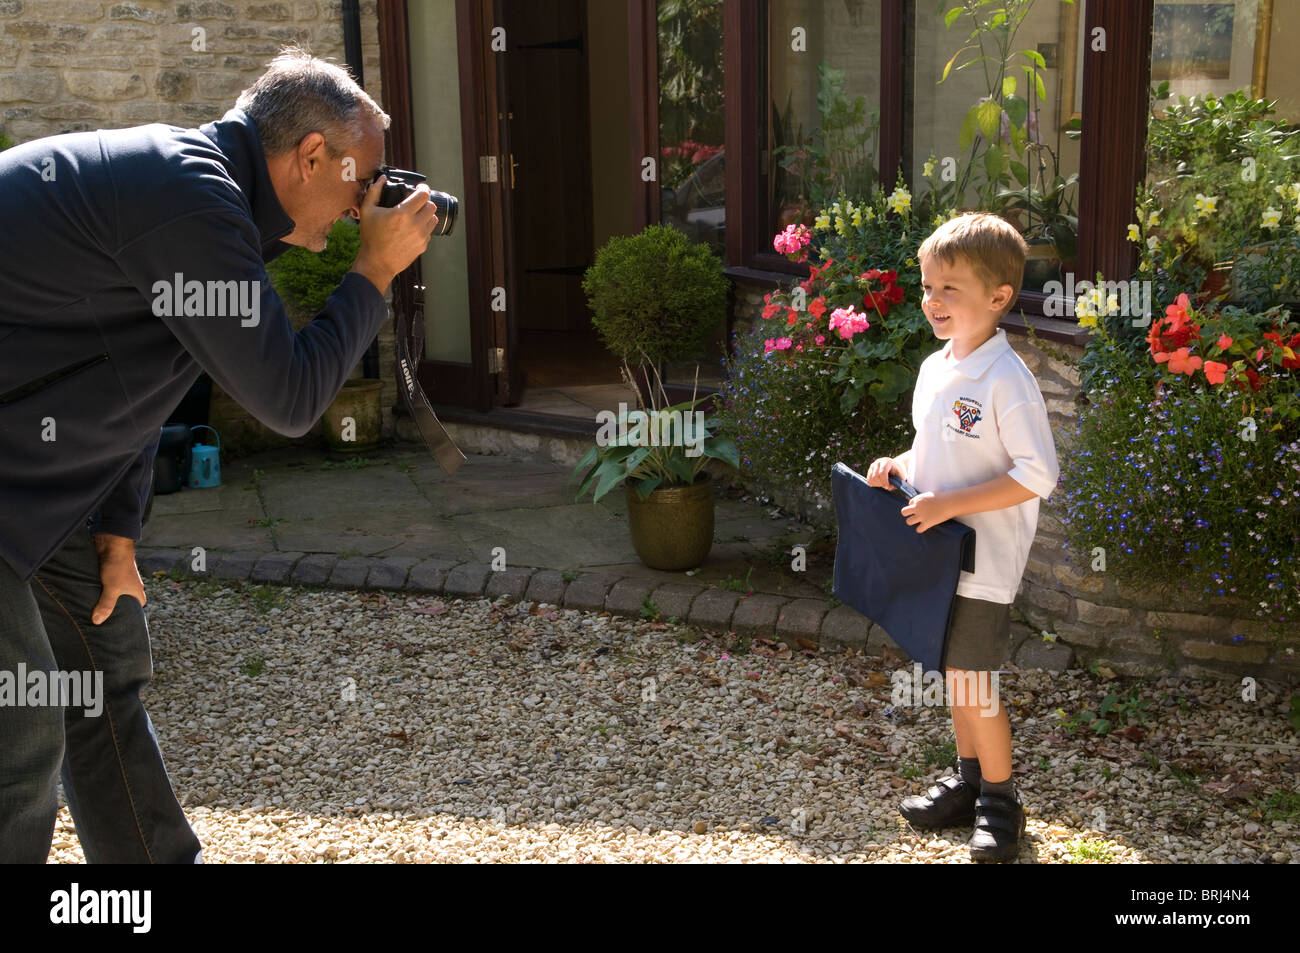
(989, 244)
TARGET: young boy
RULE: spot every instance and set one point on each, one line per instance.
(983, 455)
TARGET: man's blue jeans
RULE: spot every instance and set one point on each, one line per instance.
(117, 788)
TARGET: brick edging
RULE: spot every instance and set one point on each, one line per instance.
(709, 608)
(796, 621)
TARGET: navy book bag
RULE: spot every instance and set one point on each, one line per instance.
(902, 580)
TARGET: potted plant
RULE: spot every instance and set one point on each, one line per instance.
(353, 422)
(998, 128)
(656, 297)
(1051, 226)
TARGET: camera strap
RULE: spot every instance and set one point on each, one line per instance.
(431, 430)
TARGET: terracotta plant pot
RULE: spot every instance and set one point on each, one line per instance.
(672, 529)
(359, 399)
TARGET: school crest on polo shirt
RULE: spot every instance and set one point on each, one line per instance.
(968, 413)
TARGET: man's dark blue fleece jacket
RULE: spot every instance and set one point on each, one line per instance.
(89, 223)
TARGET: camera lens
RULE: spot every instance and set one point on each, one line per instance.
(448, 206)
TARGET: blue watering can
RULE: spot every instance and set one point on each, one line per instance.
(205, 461)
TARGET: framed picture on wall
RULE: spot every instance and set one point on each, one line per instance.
(1199, 46)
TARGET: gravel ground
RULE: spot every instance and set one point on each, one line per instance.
(319, 726)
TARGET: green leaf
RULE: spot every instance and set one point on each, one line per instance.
(948, 66)
(1035, 57)
(724, 449)
(588, 459)
(968, 125)
(895, 379)
(647, 486)
(850, 399)
(994, 163)
(1008, 86)
(1021, 173)
(611, 475)
(951, 16)
(989, 116)
(681, 467)
(1017, 108)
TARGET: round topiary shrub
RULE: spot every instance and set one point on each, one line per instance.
(305, 279)
(655, 296)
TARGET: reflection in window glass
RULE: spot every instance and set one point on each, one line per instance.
(992, 133)
(691, 135)
(1221, 204)
(691, 120)
(821, 118)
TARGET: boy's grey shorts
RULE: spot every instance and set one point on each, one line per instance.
(980, 637)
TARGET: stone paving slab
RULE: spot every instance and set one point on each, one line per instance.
(236, 565)
(674, 600)
(627, 596)
(756, 615)
(712, 609)
(511, 583)
(275, 567)
(588, 591)
(351, 573)
(467, 580)
(546, 586)
(390, 572)
(314, 570)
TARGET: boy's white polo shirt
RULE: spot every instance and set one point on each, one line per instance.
(975, 420)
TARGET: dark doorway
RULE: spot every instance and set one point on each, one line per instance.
(547, 176)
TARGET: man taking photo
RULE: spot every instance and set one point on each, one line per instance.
(133, 260)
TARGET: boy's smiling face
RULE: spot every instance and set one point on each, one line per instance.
(960, 308)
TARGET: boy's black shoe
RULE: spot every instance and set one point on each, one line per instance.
(949, 802)
(999, 825)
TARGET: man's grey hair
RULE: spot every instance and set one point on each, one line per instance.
(300, 94)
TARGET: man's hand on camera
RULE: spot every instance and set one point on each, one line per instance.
(118, 575)
(392, 238)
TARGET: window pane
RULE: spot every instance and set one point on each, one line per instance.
(820, 120)
(1220, 177)
(691, 137)
(691, 126)
(438, 151)
(992, 133)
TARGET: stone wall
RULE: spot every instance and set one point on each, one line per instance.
(1099, 618)
(75, 65)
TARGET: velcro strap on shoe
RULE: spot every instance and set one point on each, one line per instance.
(997, 813)
(943, 785)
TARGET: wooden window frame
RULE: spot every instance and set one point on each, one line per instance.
(1111, 165)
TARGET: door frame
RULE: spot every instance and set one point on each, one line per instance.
(451, 382)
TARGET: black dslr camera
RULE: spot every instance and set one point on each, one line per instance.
(402, 183)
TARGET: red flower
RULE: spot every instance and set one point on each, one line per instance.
(771, 310)
(818, 307)
(1215, 371)
(876, 301)
(793, 317)
(1181, 363)
(1177, 312)
(1252, 378)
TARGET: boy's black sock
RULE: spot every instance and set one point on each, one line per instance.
(968, 769)
(1004, 788)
